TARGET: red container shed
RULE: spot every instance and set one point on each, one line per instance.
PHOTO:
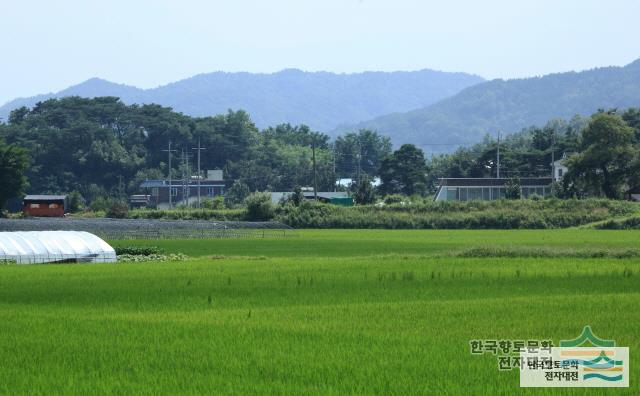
(44, 205)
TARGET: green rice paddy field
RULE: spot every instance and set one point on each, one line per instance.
(322, 312)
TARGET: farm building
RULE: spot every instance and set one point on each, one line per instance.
(183, 192)
(33, 247)
(44, 205)
(488, 189)
(139, 200)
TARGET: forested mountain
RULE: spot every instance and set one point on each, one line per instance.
(321, 100)
(509, 106)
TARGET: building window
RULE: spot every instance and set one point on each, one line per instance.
(452, 194)
(34, 206)
(154, 191)
(53, 206)
(560, 172)
(174, 192)
(210, 191)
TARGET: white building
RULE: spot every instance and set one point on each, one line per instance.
(559, 167)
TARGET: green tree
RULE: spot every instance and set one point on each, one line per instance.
(362, 192)
(607, 156)
(237, 193)
(513, 188)
(76, 201)
(360, 152)
(404, 172)
(259, 207)
(13, 164)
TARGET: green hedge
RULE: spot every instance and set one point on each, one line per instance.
(630, 223)
(189, 214)
(517, 214)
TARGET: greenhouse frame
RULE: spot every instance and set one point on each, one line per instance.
(34, 247)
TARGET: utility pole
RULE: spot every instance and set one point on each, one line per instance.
(334, 170)
(358, 155)
(553, 156)
(315, 180)
(498, 167)
(170, 188)
(199, 174)
(186, 176)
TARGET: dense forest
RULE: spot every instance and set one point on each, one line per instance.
(102, 147)
(510, 105)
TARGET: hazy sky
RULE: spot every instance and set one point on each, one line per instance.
(48, 45)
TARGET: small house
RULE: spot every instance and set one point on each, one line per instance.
(44, 205)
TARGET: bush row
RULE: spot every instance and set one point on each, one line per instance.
(630, 223)
(471, 215)
(189, 214)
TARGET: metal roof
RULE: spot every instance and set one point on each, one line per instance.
(45, 197)
(490, 182)
(178, 183)
(278, 195)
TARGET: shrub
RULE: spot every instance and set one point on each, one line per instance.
(118, 210)
(363, 192)
(504, 214)
(513, 188)
(189, 214)
(101, 204)
(259, 207)
(396, 199)
(236, 194)
(129, 258)
(138, 250)
(216, 203)
(76, 202)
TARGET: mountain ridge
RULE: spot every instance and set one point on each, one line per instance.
(509, 106)
(323, 100)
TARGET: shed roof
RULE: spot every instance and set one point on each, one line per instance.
(45, 197)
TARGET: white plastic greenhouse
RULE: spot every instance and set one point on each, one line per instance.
(32, 247)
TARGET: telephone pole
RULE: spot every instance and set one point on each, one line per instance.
(199, 174)
(358, 157)
(186, 176)
(170, 188)
(553, 156)
(315, 182)
(498, 167)
(334, 170)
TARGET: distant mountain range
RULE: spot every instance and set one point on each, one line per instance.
(509, 106)
(321, 100)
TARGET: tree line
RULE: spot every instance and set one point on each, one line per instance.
(101, 147)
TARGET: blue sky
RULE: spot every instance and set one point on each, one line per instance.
(49, 45)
